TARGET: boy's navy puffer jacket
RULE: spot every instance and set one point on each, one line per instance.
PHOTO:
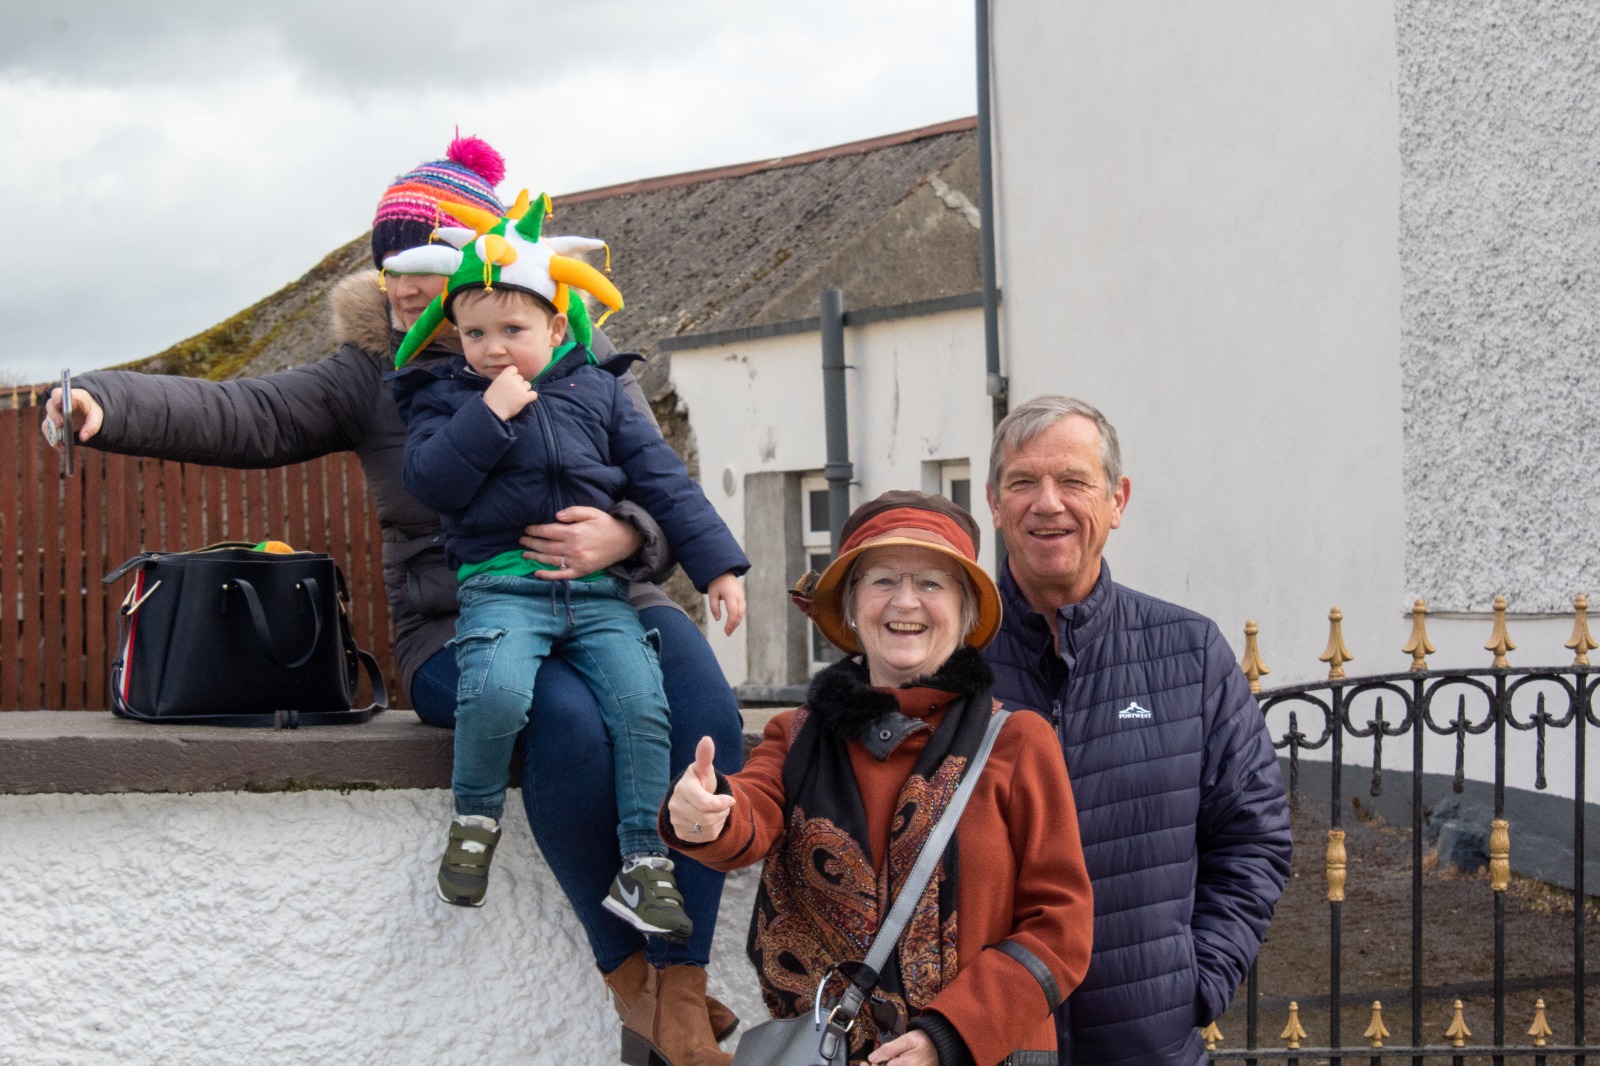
(582, 442)
(1181, 809)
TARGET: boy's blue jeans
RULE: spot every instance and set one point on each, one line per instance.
(566, 780)
(508, 626)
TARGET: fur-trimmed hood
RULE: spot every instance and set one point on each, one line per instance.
(845, 703)
(360, 313)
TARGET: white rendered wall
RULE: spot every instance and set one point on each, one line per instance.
(915, 395)
(207, 930)
(1198, 234)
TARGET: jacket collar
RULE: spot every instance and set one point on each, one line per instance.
(1078, 624)
(415, 374)
(845, 704)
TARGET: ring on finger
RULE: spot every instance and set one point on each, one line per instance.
(695, 829)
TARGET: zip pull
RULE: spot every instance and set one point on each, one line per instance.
(1055, 713)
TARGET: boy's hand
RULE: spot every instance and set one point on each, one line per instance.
(697, 812)
(726, 591)
(509, 393)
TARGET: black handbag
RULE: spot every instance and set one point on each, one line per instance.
(228, 635)
(819, 1039)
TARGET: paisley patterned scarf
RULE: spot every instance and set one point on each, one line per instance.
(820, 901)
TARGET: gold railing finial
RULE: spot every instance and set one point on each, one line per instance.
(1499, 854)
(1458, 1032)
(1580, 642)
(1213, 1036)
(1419, 647)
(1294, 1032)
(1540, 1029)
(1500, 639)
(1376, 1031)
(1337, 653)
(1251, 664)
(1336, 865)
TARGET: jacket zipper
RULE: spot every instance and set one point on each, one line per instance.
(555, 454)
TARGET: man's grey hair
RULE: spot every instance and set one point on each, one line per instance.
(1038, 415)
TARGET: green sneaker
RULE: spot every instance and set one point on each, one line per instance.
(464, 870)
(646, 896)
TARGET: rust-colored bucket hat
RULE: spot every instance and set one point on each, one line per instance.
(899, 517)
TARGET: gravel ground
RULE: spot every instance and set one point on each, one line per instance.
(1458, 948)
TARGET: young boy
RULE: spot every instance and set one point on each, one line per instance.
(520, 426)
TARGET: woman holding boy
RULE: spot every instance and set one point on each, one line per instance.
(343, 403)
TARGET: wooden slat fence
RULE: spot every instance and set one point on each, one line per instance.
(60, 536)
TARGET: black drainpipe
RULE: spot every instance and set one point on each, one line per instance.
(995, 385)
(838, 470)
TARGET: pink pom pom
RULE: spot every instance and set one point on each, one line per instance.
(477, 156)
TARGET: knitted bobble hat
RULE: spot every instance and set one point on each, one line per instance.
(409, 209)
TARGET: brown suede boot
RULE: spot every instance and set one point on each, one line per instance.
(626, 984)
(723, 1020)
(668, 1024)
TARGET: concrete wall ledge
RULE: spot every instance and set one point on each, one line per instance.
(96, 752)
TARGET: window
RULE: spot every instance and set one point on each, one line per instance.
(816, 547)
(950, 478)
(955, 484)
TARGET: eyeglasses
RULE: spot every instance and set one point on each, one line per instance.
(885, 582)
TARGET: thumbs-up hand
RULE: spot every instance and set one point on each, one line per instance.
(697, 812)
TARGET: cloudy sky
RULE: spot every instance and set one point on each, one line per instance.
(169, 162)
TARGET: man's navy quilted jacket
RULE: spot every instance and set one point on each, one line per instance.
(582, 442)
(1181, 808)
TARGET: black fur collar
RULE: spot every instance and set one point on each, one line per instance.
(845, 703)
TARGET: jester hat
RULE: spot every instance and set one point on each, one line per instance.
(511, 251)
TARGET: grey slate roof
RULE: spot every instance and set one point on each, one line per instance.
(888, 223)
(889, 220)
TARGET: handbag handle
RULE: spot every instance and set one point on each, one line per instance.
(910, 892)
(258, 618)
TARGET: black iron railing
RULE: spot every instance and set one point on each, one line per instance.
(1415, 711)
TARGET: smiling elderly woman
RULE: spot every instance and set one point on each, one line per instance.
(842, 792)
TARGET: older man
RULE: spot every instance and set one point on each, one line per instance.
(1181, 807)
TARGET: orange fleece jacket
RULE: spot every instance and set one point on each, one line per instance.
(1021, 868)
